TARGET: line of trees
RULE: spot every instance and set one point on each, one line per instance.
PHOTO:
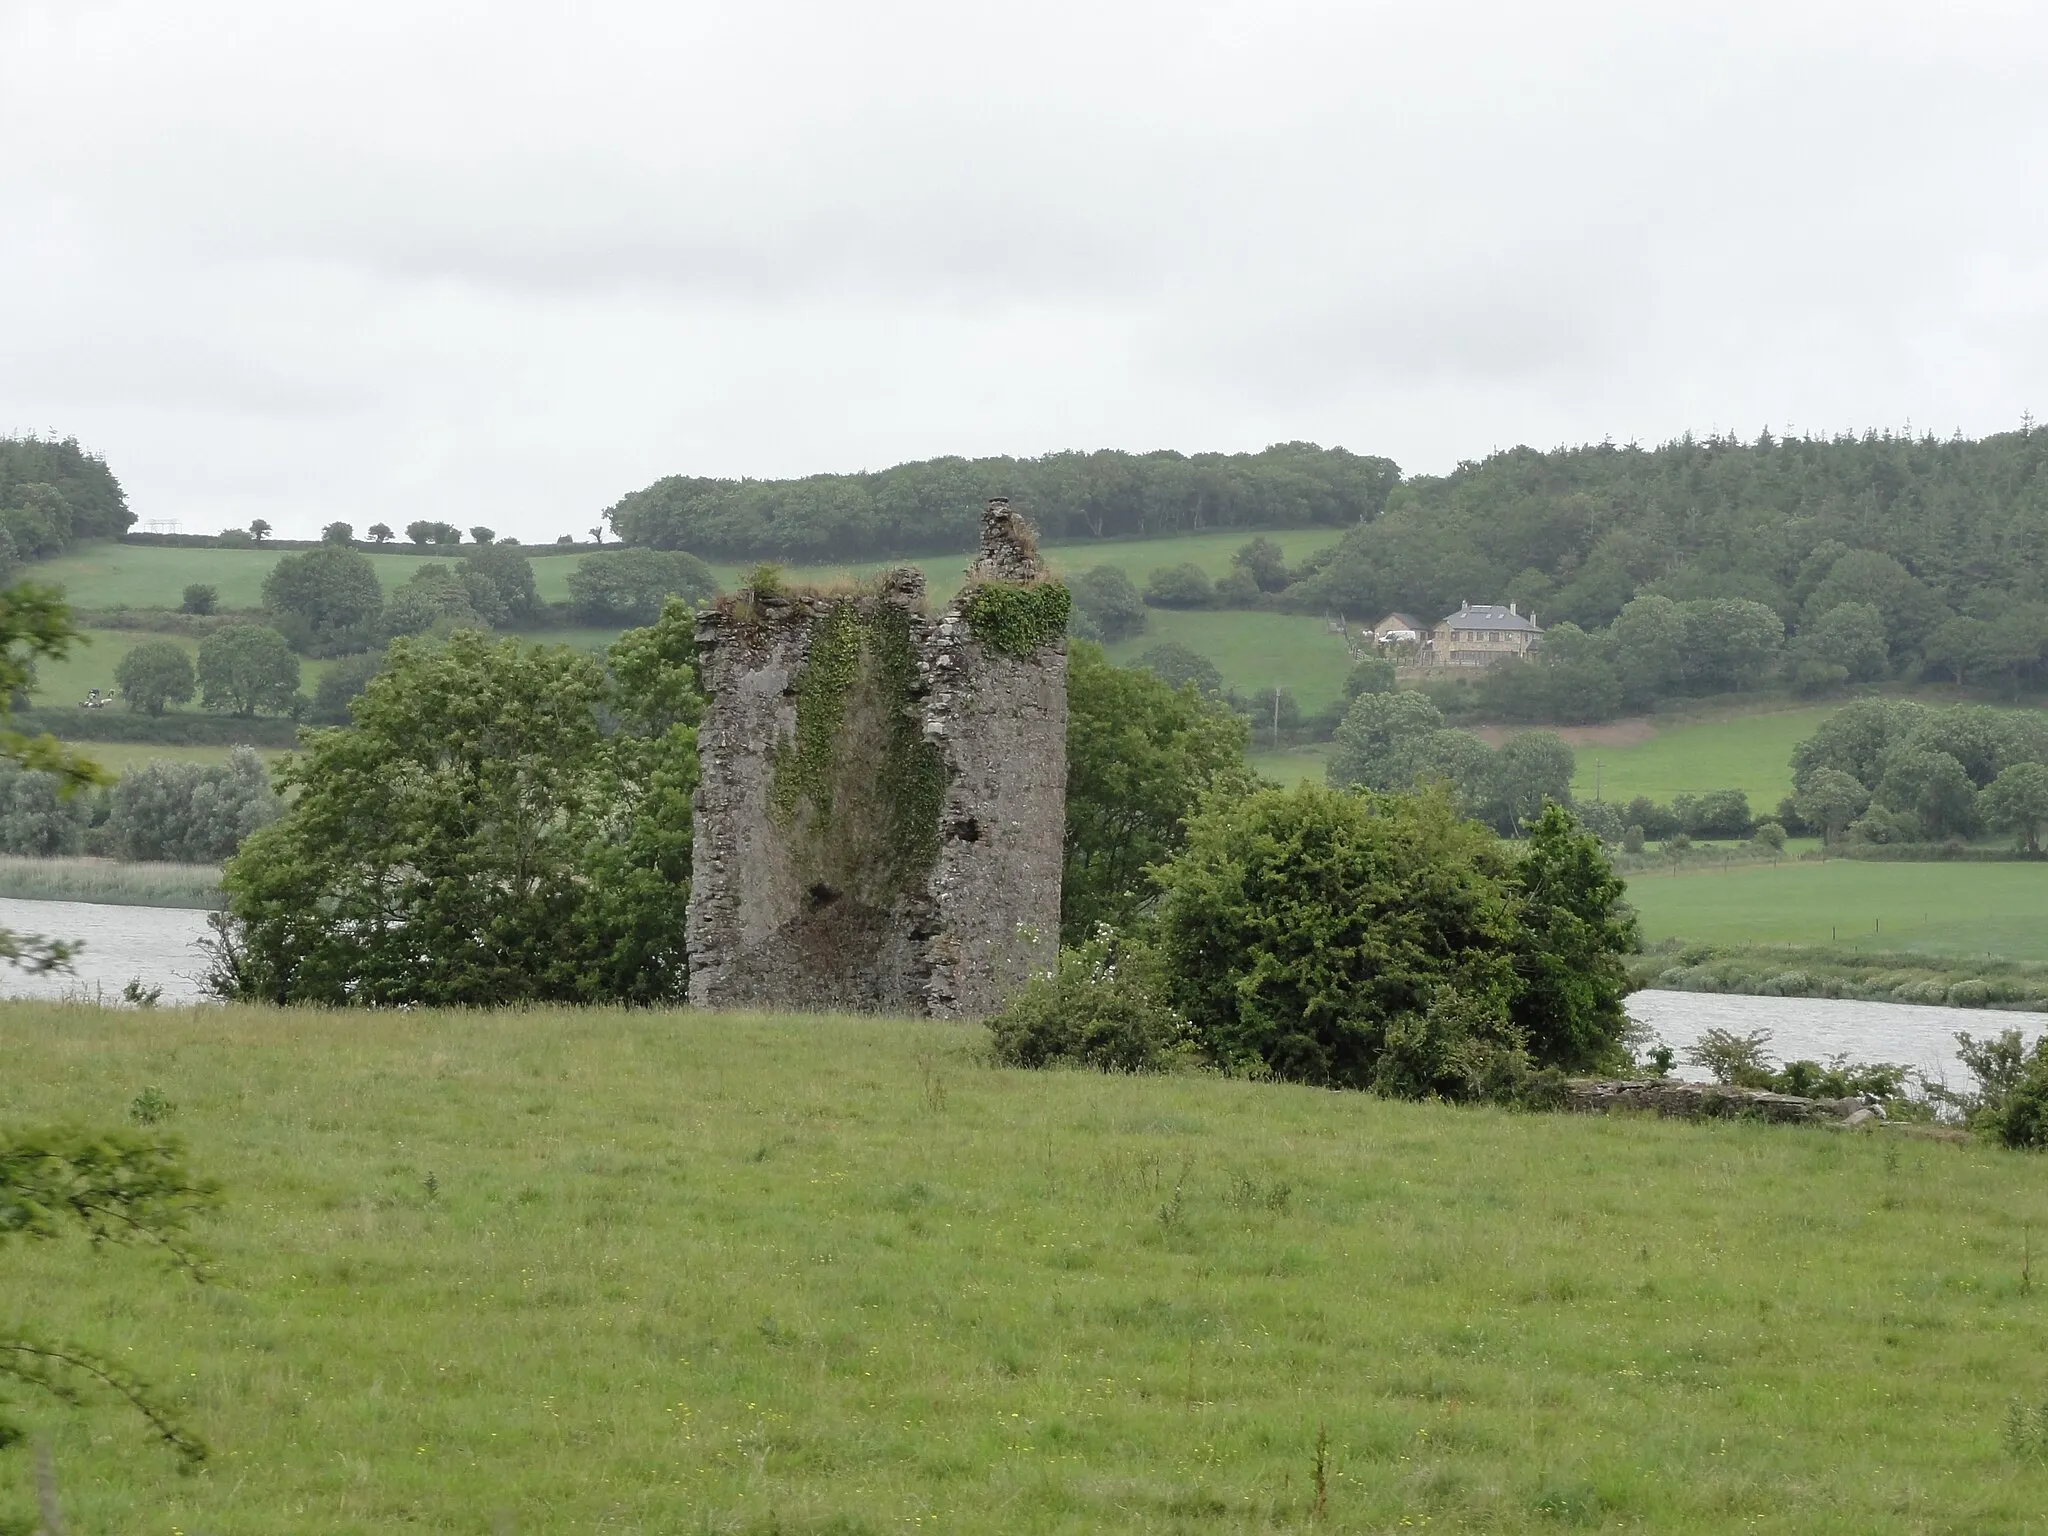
(1881, 771)
(936, 504)
(186, 813)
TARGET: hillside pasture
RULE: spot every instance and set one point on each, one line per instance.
(1750, 751)
(643, 1271)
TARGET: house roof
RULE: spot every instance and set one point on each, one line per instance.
(1489, 616)
(1399, 621)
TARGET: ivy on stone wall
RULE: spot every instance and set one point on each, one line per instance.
(849, 639)
(1017, 618)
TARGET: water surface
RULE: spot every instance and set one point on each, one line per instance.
(154, 945)
(1815, 1028)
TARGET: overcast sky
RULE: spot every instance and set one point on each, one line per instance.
(502, 261)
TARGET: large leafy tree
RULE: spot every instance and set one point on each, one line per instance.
(501, 822)
(153, 674)
(2017, 802)
(244, 668)
(504, 568)
(629, 586)
(1141, 755)
(326, 598)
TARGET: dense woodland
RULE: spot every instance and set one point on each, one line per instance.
(52, 494)
(936, 505)
(1925, 531)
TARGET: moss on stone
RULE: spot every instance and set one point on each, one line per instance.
(858, 649)
(1017, 618)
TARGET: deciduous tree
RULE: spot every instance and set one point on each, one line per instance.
(1141, 755)
(246, 668)
(153, 674)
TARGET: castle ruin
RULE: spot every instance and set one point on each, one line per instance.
(883, 797)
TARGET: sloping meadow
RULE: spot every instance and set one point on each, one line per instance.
(558, 1270)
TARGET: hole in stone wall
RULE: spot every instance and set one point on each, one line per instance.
(822, 895)
(967, 830)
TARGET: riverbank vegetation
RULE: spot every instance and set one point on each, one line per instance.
(111, 882)
(666, 1271)
(1877, 976)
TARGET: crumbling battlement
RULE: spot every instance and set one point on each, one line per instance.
(882, 805)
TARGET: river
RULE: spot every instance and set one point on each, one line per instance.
(156, 945)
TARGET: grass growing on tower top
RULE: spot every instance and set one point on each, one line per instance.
(666, 1271)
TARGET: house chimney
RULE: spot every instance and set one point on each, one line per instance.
(1511, 606)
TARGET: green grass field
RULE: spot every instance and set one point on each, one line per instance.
(1253, 651)
(654, 1272)
(1947, 909)
(1750, 752)
(1291, 765)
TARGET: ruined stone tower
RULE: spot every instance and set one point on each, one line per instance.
(883, 801)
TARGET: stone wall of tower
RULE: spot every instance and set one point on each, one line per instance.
(918, 871)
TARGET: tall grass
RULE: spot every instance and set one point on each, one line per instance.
(110, 882)
(652, 1272)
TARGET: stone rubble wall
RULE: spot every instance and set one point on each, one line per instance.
(1698, 1101)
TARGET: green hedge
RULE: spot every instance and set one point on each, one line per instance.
(177, 729)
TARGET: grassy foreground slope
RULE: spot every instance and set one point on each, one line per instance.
(657, 1272)
(1942, 909)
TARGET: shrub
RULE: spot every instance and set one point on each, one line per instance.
(1632, 838)
(1236, 588)
(1178, 666)
(2010, 1102)
(37, 819)
(1101, 1007)
(1106, 603)
(1459, 1048)
(1265, 562)
(1299, 924)
(437, 599)
(200, 598)
(1179, 586)
(1769, 835)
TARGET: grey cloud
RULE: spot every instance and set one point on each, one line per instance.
(516, 257)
